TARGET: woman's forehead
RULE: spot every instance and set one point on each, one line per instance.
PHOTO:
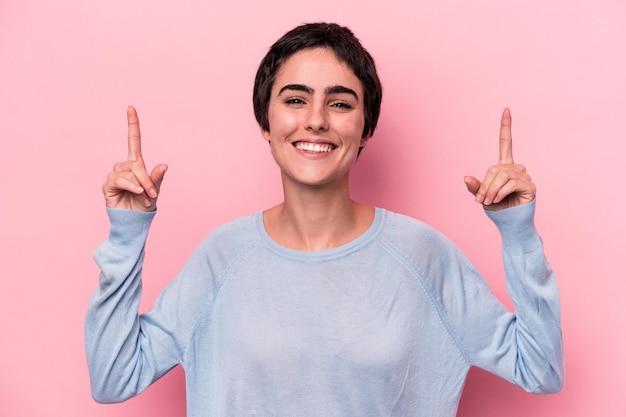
(316, 68)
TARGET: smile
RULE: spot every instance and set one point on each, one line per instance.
(314, 147)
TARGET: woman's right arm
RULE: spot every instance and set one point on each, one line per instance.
(121, 360)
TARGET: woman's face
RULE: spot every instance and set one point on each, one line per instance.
(316, 118)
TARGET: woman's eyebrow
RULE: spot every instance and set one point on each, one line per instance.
(296, 87)
(340, 89)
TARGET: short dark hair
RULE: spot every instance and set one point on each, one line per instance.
(346, 47)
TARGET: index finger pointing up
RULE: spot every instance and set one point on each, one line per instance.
(134, 135)
(506, 140)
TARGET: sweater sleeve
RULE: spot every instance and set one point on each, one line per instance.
(126, 352)
(524, 347)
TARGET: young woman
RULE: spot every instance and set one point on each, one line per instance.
(322, 306)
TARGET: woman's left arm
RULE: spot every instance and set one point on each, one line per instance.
(525, 347)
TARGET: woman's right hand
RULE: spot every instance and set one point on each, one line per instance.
(130, 186)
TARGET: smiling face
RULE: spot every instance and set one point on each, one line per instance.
(316, 118)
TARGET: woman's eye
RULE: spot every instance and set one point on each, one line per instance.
(342, 105)
(294, 101)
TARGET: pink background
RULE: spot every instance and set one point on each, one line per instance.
(69, 68)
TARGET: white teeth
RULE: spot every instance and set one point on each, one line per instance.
(314, 147)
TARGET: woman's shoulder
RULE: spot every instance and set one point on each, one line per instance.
(408, 235)
(406, 226)
(232, 236)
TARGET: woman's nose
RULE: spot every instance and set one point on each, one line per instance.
(317, 120)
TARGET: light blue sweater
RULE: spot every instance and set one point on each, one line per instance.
(387, 325)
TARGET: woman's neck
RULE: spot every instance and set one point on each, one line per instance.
(317, 218)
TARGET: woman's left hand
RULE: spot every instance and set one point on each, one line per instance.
(506, 184)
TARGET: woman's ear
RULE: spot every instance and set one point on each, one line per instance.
(265, 134)
(362, 145)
